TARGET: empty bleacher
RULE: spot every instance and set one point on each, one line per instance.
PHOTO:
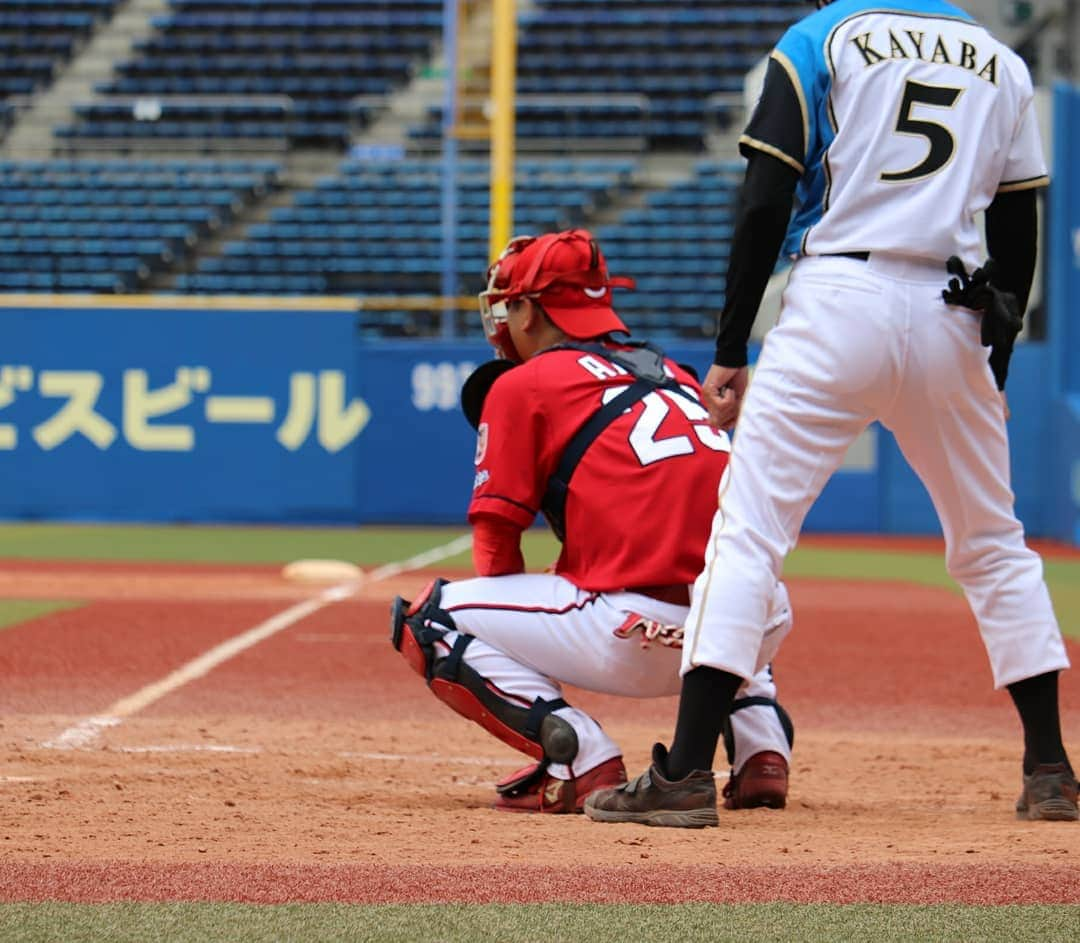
(374, 228)
(36, 38)
(108, 225)
(605, 89)
(634, 75)
(307, 74)
(676, 247)
(676, 56)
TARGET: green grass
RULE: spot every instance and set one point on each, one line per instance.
(1063, 578)
(544, 923)
(211, 544)
(14, 611)
(927, 569)
(369, 546)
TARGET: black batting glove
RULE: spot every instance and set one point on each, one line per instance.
(1001, 317)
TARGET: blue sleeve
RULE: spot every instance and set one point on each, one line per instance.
(801, 54)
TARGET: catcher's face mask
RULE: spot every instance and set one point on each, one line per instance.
(565, 272)
(495, 304)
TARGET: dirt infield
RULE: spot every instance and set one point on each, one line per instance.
(314, 766)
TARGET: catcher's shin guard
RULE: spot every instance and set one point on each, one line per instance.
(744, 702)
(534, 730)
(415, 627)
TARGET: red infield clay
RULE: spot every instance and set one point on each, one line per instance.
(313, 765)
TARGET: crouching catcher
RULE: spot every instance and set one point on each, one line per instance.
(608, 439)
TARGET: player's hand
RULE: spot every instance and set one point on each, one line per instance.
(723, 390)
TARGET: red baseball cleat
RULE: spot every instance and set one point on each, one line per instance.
(533, 789)
(762, 782)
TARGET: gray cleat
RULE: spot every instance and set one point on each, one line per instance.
(1049, 793)
(653, 799)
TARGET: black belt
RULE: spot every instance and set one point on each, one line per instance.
(858, 256)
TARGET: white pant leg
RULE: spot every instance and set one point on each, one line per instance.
(535, 632)
(823, 370)
(546, 623)
(523, 686)
(950, 425)
(777, 627)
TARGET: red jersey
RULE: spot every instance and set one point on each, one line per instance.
(641, 501)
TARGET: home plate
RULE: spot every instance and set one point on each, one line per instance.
(321, 571)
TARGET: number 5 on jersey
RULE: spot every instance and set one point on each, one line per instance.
(939, 137)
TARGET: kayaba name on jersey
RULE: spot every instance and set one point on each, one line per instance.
(915, 44)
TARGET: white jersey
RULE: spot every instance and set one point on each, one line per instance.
(913, 118)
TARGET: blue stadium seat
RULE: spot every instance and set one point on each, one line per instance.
(318, 55)
(374, 226)
(673, 56)
(37, 38)
(107, 226)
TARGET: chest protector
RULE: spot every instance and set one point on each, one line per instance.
(645, 363)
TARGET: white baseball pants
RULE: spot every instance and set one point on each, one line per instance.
(858, 342)
(535, 632)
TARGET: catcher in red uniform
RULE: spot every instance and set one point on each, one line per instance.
(609, 440)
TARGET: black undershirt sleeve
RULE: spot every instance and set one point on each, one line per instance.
(1012, 233)
(774, 144)
(761, 220)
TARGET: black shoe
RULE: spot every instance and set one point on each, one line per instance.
(653, 799)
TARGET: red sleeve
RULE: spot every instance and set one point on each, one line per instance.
(497, 547)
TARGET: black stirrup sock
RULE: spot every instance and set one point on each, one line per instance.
(707, 694)
(1036, 701)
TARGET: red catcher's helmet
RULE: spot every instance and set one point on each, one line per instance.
(566, 273)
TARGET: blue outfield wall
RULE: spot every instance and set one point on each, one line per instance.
(165, 414)
(1063, 244)
(202, 411)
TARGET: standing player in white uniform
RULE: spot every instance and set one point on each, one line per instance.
(894, 125)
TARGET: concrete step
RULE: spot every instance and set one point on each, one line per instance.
(32, 137)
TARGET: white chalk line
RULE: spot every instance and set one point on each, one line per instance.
(189, 748)
(421, 560)
(86, 731)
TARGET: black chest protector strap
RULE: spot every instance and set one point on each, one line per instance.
(646, 364)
